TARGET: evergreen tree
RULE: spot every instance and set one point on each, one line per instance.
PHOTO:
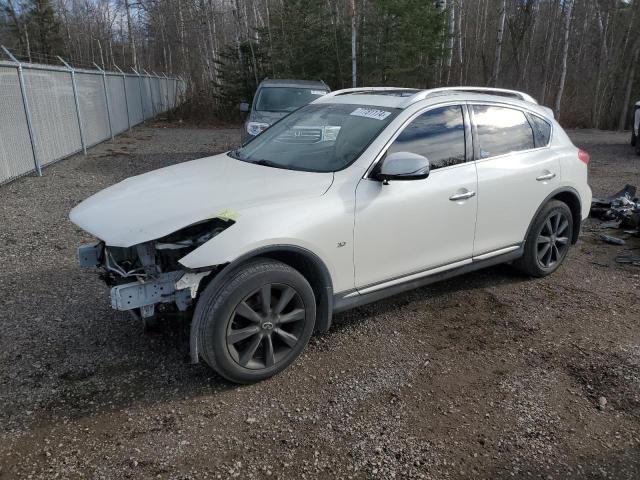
(43, 28)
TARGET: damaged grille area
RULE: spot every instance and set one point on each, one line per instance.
(147, 274)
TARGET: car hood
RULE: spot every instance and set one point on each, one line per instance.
(155, 204)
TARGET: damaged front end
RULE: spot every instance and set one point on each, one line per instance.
(148, 277)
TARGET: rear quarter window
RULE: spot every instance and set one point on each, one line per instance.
(541, 130)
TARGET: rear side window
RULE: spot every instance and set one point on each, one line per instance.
(502, 130)
(541, 130)
(437, 134)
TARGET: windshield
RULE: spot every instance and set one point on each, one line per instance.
(286, 99)
(318, 138)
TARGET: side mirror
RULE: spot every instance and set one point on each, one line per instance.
(244, 107)
(403, 166)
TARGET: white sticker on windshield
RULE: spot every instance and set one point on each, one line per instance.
(318, 92)
(370, 113)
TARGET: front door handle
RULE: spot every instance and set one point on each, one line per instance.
(462, 196)
(546, 176)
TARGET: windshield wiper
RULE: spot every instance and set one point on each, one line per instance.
(267, 163)
(235, 154)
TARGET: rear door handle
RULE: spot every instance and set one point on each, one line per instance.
(546, 176)
(462, 196)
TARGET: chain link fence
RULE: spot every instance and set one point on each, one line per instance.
(48, 113)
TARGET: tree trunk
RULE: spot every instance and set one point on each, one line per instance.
(459, 28)
(547, 58)
(622, 122)
(603, 61)
(498, 56)
(565, 53)
(334, 24)
(354, 73)
(132, 42)
(251, 42)
(451, 23)
(532, 36)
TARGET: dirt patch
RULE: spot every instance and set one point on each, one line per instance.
(612, 377)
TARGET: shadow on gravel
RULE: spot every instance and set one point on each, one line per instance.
(441, 292)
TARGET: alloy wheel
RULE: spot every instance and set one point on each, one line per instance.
(265, 327)
(552, 242)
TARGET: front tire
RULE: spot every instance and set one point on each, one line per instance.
(548, 241)
(257, 322)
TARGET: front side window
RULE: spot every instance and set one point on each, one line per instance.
(286, 99)
(437, 135)
(501, 130)
(318, 138)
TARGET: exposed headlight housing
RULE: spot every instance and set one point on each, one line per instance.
(256, 128)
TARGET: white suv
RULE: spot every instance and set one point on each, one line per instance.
(359, 195)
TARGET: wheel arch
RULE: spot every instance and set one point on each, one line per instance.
(571, 198)
(305, 261)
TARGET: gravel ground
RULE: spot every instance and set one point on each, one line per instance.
(489, 375)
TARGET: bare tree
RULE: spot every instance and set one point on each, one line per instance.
(498, 54)
(568, 7)
(131, 36)
(354, 74)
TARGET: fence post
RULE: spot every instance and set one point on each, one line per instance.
(162, 107)
(153, 106)
(179, 83)
(75, 97)
(175, 92)
(27, 112)
(106, 97)
(140, 90)
(166, 84)
(126, 101)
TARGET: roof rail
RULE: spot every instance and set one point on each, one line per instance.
(346, 91)
(500, 91)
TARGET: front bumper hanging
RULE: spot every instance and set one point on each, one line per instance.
(177, 287)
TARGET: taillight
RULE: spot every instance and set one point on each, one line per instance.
(584, 156)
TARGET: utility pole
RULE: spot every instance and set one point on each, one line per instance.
(354, 75)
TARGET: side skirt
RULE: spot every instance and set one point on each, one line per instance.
(350, 299)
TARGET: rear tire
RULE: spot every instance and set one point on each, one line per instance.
(548, 241)
(257, 322)
(634, 139)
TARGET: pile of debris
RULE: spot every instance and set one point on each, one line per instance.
(620, 210)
